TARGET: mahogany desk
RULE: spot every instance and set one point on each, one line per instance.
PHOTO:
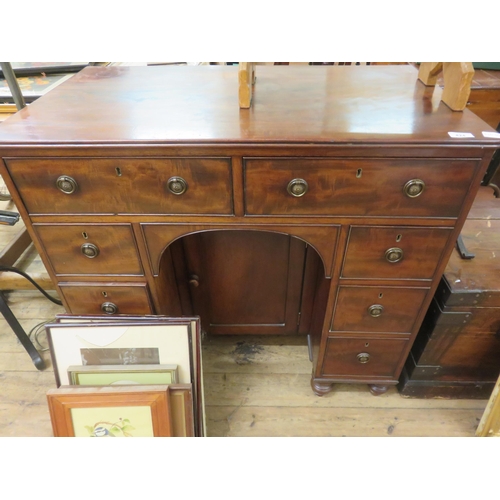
(328, 209)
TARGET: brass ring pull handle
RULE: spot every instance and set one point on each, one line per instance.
(66, 184)
(109, 308)
(414, 188)
(177, 185)
(375, 310)
(297, 187)
(90, 250)
(394, 255)
(363, 357)
(194, 280)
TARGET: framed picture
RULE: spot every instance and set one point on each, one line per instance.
(45, 68)
(182, 410)
(130, 340)
(119, 411)
(32, 87)
(122, 374)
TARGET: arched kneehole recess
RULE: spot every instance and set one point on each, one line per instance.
(245, 282)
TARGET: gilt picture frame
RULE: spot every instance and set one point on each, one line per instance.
(122, 374)
(111, 411)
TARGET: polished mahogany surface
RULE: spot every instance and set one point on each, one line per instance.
(96, 161)
(322, 104)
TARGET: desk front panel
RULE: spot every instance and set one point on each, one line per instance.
(158, 185)
(365, 187)
(356, 214)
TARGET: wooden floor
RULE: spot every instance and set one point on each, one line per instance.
(254, 386)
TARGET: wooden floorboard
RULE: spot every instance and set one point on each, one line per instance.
(261, 421)
(254, 386)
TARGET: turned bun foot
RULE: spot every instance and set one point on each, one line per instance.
(321, 388)
(377, 390)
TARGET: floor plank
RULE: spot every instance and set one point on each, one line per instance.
(25, 420)
(254, 386)
(294, 390)
(260, 421)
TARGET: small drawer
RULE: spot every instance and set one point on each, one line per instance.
(90, 249)
(372, 187)
(99, 298)
(377, 309)
(124, 185)
(394, 252)
(359, 357)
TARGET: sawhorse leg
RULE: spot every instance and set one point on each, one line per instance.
(21, 334)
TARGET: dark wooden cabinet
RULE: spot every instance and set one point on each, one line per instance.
(246, 282)
(456, 353)
(327, 209)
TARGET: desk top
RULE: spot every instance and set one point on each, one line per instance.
(291, 104)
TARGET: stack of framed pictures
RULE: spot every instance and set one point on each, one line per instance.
(127, 376)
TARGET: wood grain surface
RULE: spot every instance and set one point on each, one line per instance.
(332, 104)
(256, 386)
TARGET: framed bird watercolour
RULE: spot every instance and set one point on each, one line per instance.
(111, 411)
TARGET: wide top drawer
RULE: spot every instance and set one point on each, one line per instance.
(124, 185)
(368, 187)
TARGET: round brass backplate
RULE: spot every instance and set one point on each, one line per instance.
(363, 357)
(90, 250)
(376, 310)
(414, 188)
(297, 187)
(66, 184)
(394, 255)
(177, 185)
(109, 308)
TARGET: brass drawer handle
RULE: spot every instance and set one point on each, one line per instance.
(90, 250)
(375, 310)
(194, 280)
(109, 308)
(297, 187)
(363, 357)
(66, 184)
(177, 185)
(393, 255)
(414, 188)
